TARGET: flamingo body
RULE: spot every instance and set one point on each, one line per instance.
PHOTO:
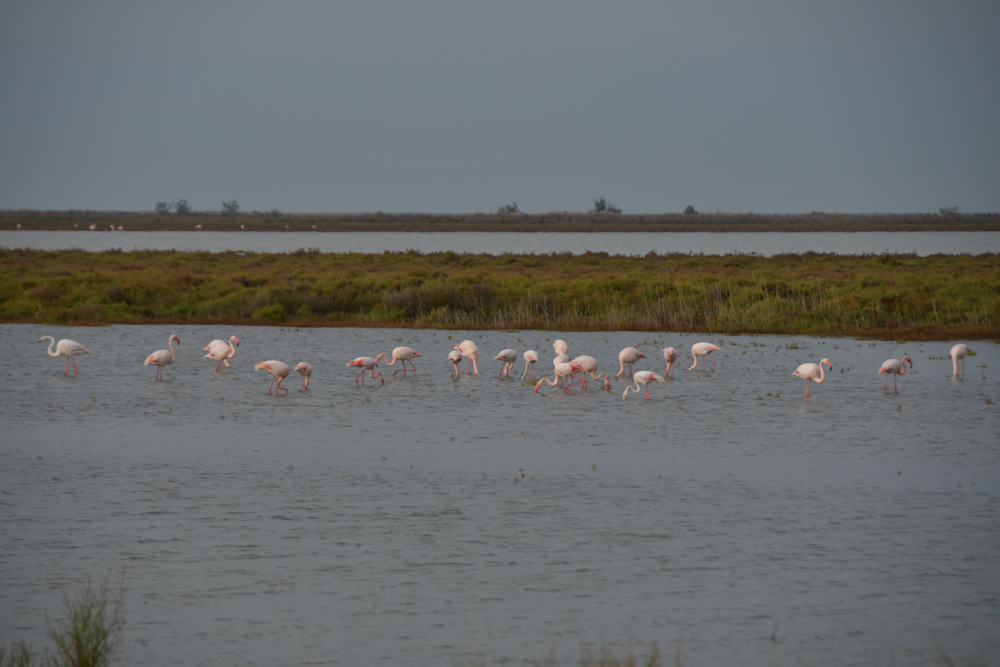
(401, 354)
(162, 358)
(470, 351)
(563, 371)
(589, 365)
(455, 357)
(279, 369)
(67, 347)
(702, 350)
(530, 359)
(670, 356)
(508, 357)
(957, 352)
(305, 369)
(366, 364)
(560, 347)
(220, 352)
(812, 372)
(642, 378)
(627, 357)
(896, 367)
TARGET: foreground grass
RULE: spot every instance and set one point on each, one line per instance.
(885, 296)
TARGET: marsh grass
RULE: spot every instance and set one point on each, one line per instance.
(917, 298)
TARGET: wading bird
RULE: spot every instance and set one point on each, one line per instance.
(66, 346)
(643, 378)
(811, 372)
(305, 369)
(560, 347)
(162, 358)
(589, 365)
(670, 356)
(702, 350)
(627, 357)
(508, 357)
(220, 352)
(530, 359)
(563, 371)
(278, 369)
(455, 357)
(366, 364)
(957, 352)
(470, 351)
(896, 367)
(401, 354)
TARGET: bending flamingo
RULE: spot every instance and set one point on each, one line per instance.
(305, 369)
(402, 354)
(563, 371)
(162, 358)
(702, 350)
(670, 356)
(278, 369)
(455, 357)
(590, 366)
(366, 364)
(643, 378)
(66, 346)
(530, 359)
(896, 367)
(628, 356)
(508, 357)
(957, 352)
(470, 351)
(811, 372)
(221, 352)
(560, 347)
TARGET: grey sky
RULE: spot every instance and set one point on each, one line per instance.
(447, 106)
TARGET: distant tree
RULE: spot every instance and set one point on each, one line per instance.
(182, 207)
(274, 213)
(603, 204)
(690, 210)
(230, 207)
(508, 209)
(948, 210)
(162, 207)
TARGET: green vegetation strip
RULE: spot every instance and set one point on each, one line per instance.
(879, 296)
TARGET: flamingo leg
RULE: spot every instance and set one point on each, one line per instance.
(468, 371)
(279, 386)
(884, 383)
(273, 378)
(647, 391)
(894, 387)
(713, 364)
(360, 376)
(67, 366)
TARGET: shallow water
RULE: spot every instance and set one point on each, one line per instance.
(432, 521)
(635, 243)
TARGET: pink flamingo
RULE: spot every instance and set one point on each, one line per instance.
(305, 369)
(589, 365)
(643, 378)
(278, 369)
(702, 350)
(670, 356)
(402, 354)
(66, 346)
(563, 371)
(896, 367)
(629, 356)
(530, 359)
(560, 347)
(162, 358)
(810, 372)
(366, 364)
(957, 352)
(455, 357)
(508, 357)
(470, 351)
(221, 352)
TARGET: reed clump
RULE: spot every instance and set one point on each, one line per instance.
(876, 296)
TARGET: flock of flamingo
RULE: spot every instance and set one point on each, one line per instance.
(568, 372)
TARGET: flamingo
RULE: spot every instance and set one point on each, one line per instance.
(220, 352)
(530, 359)
(563, 371)
(628, 355)
(455, 357)
(366, 364)
(560, 347)
(402, 354)
(279, 369)
(957, 352)
(68, 347)
(809, 372)
(305, 369)
(643, 378)
(162, 358)
(670, 355)
(702, 350)
(471, 352)
(896, 367)
(508, 357)
(589, 365)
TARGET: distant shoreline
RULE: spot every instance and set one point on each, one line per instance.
(559, 222)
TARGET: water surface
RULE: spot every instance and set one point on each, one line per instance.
(433, 522)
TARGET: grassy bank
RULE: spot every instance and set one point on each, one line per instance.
(885, 296)
(556, 221)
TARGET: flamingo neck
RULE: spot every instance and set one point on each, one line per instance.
(821, 375)
(52, 346)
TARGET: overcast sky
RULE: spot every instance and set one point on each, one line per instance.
(782, 106)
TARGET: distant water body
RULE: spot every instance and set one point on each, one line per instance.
(633, 243)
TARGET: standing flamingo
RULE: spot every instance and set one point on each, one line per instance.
(560, 346)
(221, 352)
(628, 356)
(161, 358)
(810, 372)
(702, 350)
(643, 378)
(305, 369)
(670, 355)
(470, 351)
(589, 365)
(896, 367)
(957, 352)
(402, 354)
(508, 357)
(455, 357)
(530, 359)
(278, 369)
(66, 346)
(563, 371)
(366, 364)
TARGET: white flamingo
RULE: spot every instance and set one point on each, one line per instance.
(366, 364)
(628, 356)
(470, 351)
(305, 369)
(162, 358)
(401, 354)
(670, 356)
(812, 372)
(563, 372)
(560, 347)
(279, 369)
(220, 352)
(455, 357)
(530, 359)
(702, 350)
(896, 367)
(957, 352)
(67, 347)
(508, 357)
(643, 378)
(589, 365)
